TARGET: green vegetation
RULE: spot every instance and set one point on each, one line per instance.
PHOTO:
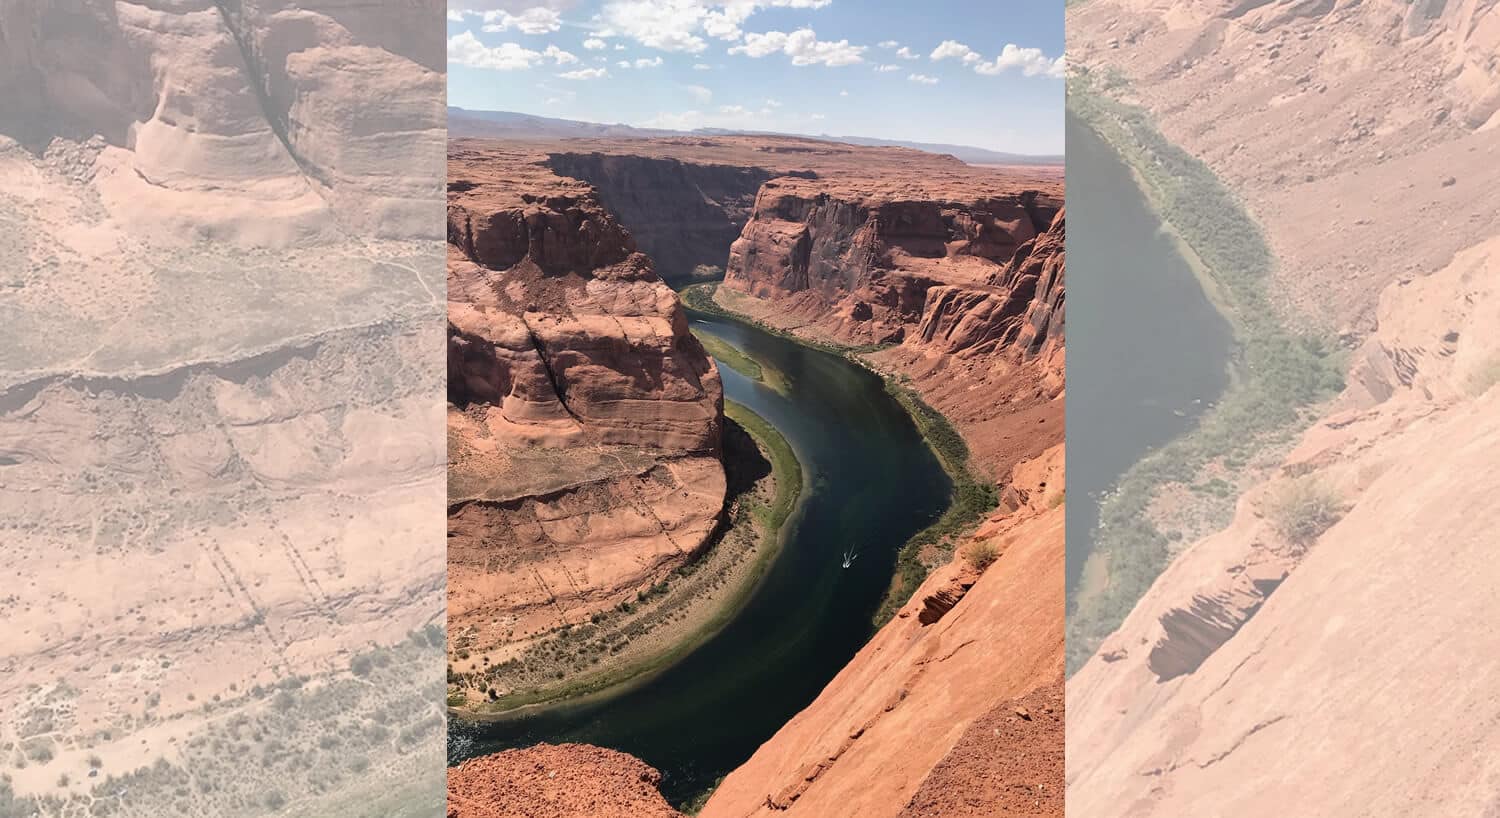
(982, 554)
(731, 356)
(609, 633)
(973, 498)
(1303, 509)
(1278, 373)
(784, 465)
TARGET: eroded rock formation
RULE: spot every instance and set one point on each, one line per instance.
(861, 256)
(584, 420)
(990, 354)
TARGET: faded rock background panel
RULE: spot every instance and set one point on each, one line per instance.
(221, 461)
(1286, 594)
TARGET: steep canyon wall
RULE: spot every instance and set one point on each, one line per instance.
(584, 420)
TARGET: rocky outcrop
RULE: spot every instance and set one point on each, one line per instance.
(682, 214)
(584, 419)
(556, 781)
(990, 354)
(868, 255)
(1017, 309)
(939, 712)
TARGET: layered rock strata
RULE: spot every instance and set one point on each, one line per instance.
(584, 420)
(859, 257)
(990, 355)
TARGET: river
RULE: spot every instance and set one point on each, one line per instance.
(1147, 351)
(871, 482)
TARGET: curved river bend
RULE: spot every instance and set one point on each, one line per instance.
(871, 482)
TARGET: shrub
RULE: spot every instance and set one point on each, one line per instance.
(1303, 509)
(982, 554)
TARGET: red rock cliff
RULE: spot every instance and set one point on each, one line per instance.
(583, 418)
(859, 257)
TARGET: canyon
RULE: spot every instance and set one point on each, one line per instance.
(1274, 649)
(941, 276)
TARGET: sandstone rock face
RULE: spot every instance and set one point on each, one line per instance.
(682, 214)
(869, 255)
(1253, 663)
(556, 781)
(990, 354)
(1017, 309)
(295, 108)
(584, 420)
(948, 714)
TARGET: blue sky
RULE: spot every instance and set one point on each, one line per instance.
(969, 72)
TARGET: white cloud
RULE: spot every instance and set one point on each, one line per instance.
(924, 79)
(539, 20)
(773, 103)
(889, 44)
(585, 74)
(734, 110)
(640, 63)
(619, 47)
(455, 16)
(887, 68)
(952, 49)
(698, 66)
(559, 56)
(725, 24)
(465, 49)
(1031, 62)
(817, 116)
(594, 44)
(906, 53)
(843, 93)
(700, 93)
(668, 25)
(683, 25)
(803, 46)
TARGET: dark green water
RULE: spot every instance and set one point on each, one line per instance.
(871, 483)
(1147, 351)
